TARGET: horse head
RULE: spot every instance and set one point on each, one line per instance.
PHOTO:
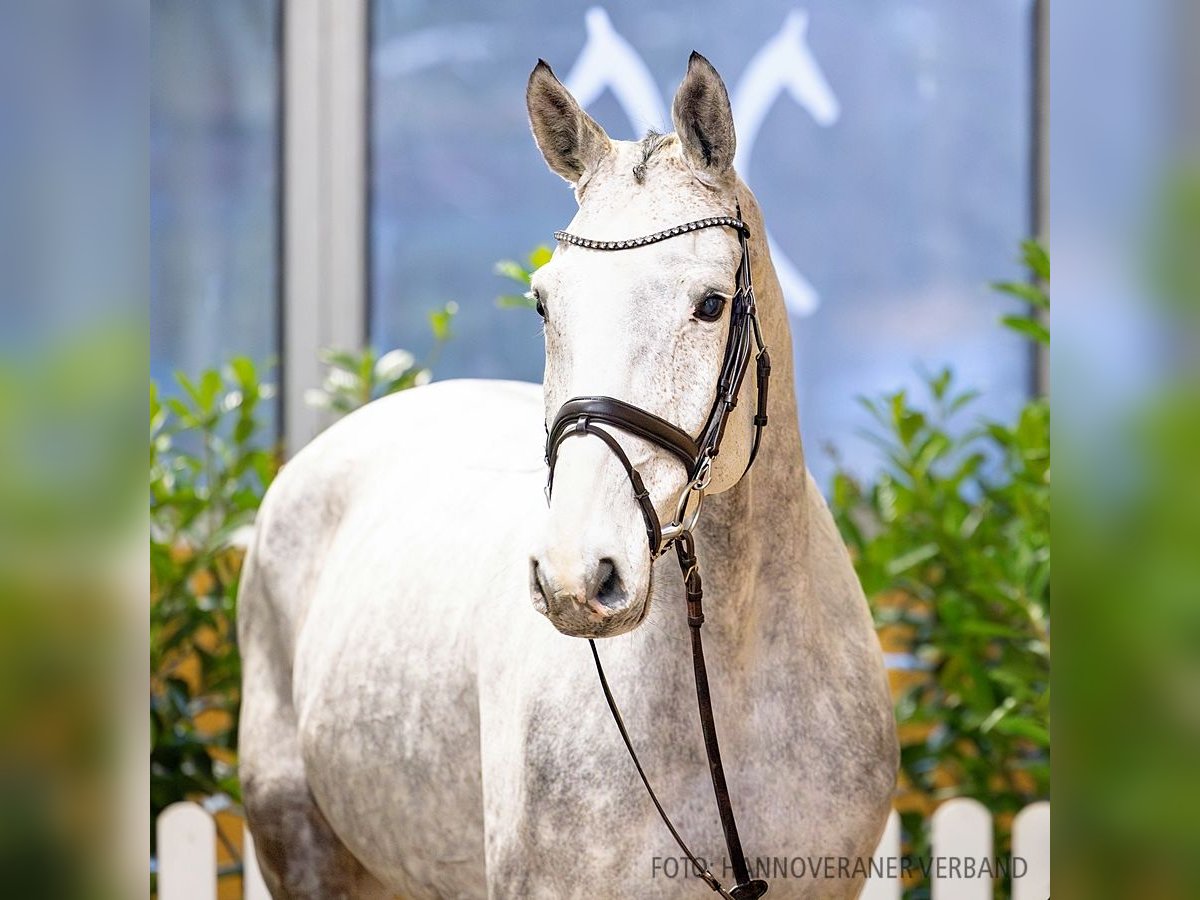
(648, 326)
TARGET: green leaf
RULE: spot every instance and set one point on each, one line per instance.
(244, 430)
(1036, 258)
(912, 558)
(873, 408)
(515, 301)
(1030, 293)
(897, 402)
(964, 399)
(158, 413)
(243, 371)
(990, 629)
(440, 319)
(939, 383)
(540, 256)
(512, 269)
(1030, 328)
(1014, 726)
(189, 387)
(184, 413)
(931, 451)
(210, 386)
(909, 424)
(341, 359)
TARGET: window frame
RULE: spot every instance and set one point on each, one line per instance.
(325, 165)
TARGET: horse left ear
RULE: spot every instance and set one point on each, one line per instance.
(704, 121)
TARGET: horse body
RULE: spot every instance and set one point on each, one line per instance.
(410, 726)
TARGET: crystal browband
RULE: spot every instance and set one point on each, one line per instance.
(712, 222)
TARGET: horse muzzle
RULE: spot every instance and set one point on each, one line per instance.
(585, 598)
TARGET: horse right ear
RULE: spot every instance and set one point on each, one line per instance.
(570, 140)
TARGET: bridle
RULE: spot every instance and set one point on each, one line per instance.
(594, 416)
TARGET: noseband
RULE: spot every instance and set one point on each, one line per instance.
(595, 416)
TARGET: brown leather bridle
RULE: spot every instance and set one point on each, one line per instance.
(593, 416)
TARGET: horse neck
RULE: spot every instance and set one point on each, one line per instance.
(753, 536)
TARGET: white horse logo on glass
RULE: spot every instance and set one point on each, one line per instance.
(785, 64)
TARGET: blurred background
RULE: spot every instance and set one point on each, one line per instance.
(344, 200)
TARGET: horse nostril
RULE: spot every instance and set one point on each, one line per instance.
(600, 592)
(611, 592)
(536, 586)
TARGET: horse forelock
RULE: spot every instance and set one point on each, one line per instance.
(649, 145)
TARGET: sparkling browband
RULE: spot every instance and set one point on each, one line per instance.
(713, 222)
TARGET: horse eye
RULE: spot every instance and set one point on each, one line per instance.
(709, 309)
(537, 303)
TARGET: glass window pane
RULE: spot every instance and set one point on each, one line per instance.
(214, 182)
(887, 143)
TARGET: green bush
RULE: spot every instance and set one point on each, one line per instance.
(210, 465)
(208, 474)
(952, 543)
(355, 379)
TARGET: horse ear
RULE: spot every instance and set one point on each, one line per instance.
(704, 120)
(570, 140)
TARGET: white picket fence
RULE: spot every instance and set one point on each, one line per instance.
(961, 831)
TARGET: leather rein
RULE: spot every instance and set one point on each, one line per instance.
(595, 416)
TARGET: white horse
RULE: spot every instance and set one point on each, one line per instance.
(410, 725)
